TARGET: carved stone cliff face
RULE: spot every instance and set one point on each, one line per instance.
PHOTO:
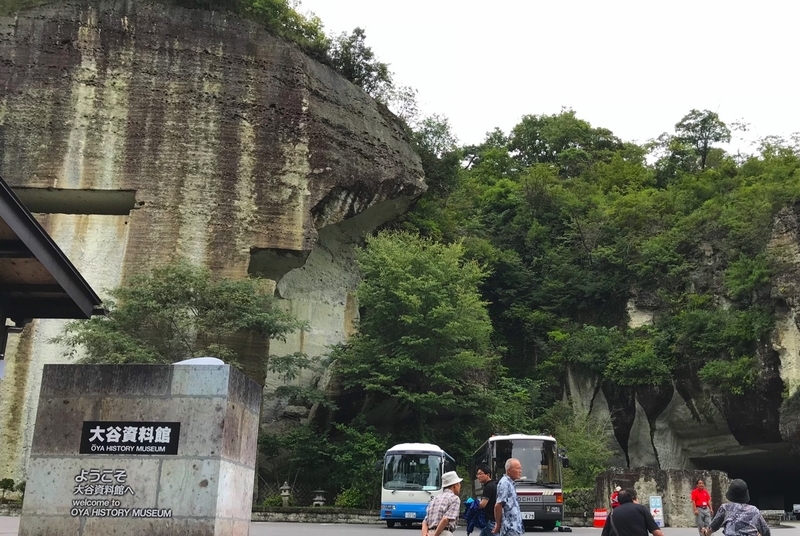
(240, 152)
(755, 436)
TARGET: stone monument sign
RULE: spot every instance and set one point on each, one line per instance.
(142, 450)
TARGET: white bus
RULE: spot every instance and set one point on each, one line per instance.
(412, 476)
(541, 498)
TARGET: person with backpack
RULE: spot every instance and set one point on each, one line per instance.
(738, 517)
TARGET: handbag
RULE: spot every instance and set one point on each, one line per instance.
(614, 529)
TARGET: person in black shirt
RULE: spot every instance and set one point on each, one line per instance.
(488, 498)
(630, 518)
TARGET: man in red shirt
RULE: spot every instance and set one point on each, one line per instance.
(701, 501)
(615, 497)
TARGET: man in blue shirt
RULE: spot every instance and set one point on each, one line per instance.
(507, 514)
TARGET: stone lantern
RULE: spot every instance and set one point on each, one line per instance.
(319, 498)
(286, 491)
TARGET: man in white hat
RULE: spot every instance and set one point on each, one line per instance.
(443, 510)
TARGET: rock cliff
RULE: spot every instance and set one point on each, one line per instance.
(684, 425)
(144, 132)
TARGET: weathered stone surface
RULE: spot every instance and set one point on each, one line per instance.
(296, 412)
(234, 137)
(785, 249)
(674, 487)
(207, 486)
(245, 156)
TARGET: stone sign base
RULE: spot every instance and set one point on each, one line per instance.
(142, 450)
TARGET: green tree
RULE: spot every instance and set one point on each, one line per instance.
(355, 453)
(438, 149)
(701, 130)
(424, 338)
(435, 135)
(672, 156)
(300, 456)
(180, 311)
(283, 18)
(636, 362)
(745, 277)
(351, 56)
(586, 439)
(517, 405)
(562, 139)
(735, 377)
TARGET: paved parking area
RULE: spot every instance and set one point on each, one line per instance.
(10, 525)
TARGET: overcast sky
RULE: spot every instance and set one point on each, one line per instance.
(633, 66)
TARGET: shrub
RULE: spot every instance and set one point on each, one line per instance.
(735, 377)
(272, 501)
(6, 485)
(352, 497)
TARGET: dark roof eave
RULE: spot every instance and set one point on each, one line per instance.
(36, 239)
(20, 311)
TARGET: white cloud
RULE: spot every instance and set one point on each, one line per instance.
(631, 66)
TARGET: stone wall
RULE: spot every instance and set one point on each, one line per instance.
(192, 461)
(244, 155)
(674, 487)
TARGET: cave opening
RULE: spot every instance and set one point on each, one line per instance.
(771, 475)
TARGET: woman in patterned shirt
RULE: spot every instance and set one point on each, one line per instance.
(738, 517)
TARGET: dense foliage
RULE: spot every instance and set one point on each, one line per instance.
(521, 262)
(571, 223)
(425, 342)
(179, 311)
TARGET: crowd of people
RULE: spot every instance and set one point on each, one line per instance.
(499, 505)
(736, 518)
(501, 514)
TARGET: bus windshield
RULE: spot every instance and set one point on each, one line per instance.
(412, 471)
(539, 459)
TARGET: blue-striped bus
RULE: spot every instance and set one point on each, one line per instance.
(412, 476)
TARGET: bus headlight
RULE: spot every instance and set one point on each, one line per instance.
(553, 509)
(388, 507)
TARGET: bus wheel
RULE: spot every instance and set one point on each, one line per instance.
(390, 523)
(548, 525)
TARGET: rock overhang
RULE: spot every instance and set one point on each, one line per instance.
(165, 100)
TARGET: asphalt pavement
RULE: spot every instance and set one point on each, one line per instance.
(9, 526)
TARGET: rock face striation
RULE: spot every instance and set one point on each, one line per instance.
(140, 133)
(755, 436)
